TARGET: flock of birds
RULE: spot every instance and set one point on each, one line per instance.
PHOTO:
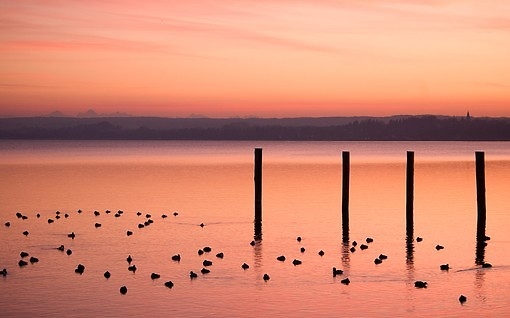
(80, 268)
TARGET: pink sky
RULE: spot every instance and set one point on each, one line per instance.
(277, 58)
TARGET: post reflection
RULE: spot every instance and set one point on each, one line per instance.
(410, 251)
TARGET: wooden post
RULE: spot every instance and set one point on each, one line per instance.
(345, 195)
(480, 195)
(258, 187)
(410, 192)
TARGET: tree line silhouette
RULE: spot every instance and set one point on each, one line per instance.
(433, 128)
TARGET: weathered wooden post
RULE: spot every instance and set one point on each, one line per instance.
(410, 193)
(258, 193)
(481, 204)
(345, 195)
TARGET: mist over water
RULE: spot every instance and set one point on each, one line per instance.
(212, 183)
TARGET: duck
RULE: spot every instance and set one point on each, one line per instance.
(337, 271)
(155, 276)
(192, 274)
(123, 290)
(72, 235)
(164, 216)
(462, 299)
(38, 215)
(97, 225)
(96, 213)
(50, 221)
(138, 213)
(419, 239)
(25, 233)
(200, 251)
(420, 284)
(439, 247)
(7, 224)
(363, 247)
(34, 260)
(345, 281)
(176, 213)
(3, 272)
(382, 256)
(245, 266)
(23, 254)
(220, 255)
(352, 249)
(61, 248)
(207, 249)
(148, 216)
(22, 263)
(252, 243)
(354, 243)
(79, 269)
(302, 250)
(298, 238)
(69, 252)
(129, 259)
(169, 284)
(107, 274)
(281, 258)
(202, 224)
(266, 277)
(66, 215)
(296, 262)
(141, 225)
(132, 268)
(176, 257)
(129, 233)
(486, 265)
(206, 263)
(321, 253)
(205, 271)
(444, 267)
(377, 261)
(369, 240)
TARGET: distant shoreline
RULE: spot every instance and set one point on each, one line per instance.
(393, 128)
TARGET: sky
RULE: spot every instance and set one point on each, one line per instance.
(277, 58)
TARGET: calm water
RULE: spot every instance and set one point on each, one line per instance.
(212, 183)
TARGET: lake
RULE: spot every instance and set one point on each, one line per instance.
(211, 183)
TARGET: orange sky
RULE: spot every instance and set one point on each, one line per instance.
(276, 58)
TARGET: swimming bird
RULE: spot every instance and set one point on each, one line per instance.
(382, 256)
(25, 233)
(321, 253)
(38, 215)
(486, 265)
(138, 213)
(141, 225)
(266, 277)
(281, 258)
(352, 249)
(7, 224)
(202, 224)
(207, 249)
(296, 262)
(164, 216)
(419, 239)
(117, 215)
(61, 248)
(23, 254)
(354, 243)
(148, 215)
(147, 223)
(444, 267)
(132, 268)
(176, 214)
(24, 217)
(34, 260)
(252, 243)
(79, 269)
(302, 250)
(369, 240)
(150, 221)
(363, 247)
(107, 211)
(462, 299)
(57, 212)
(66, 215)
(377, 261)
(176, 257)
(169, 284)
(129, 233)
(192, 274)
(420, 284)
(486, 238)
(57, 217)
(205, 271)
(345, 281)
(97, 225)
(120, 211)
(129, 259)
(200, 252)
(79, 211)
(72, 235)
(3, 272)
(439, 247)
(298, 238)
(50, 221)
(155, 276)
(22, 263)
(245, 266)
(219, 255)
(123, 290)
(107, 274)
(206, 263)
(96, 213)
(69, 252)
(337, 271)
(19, 215)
